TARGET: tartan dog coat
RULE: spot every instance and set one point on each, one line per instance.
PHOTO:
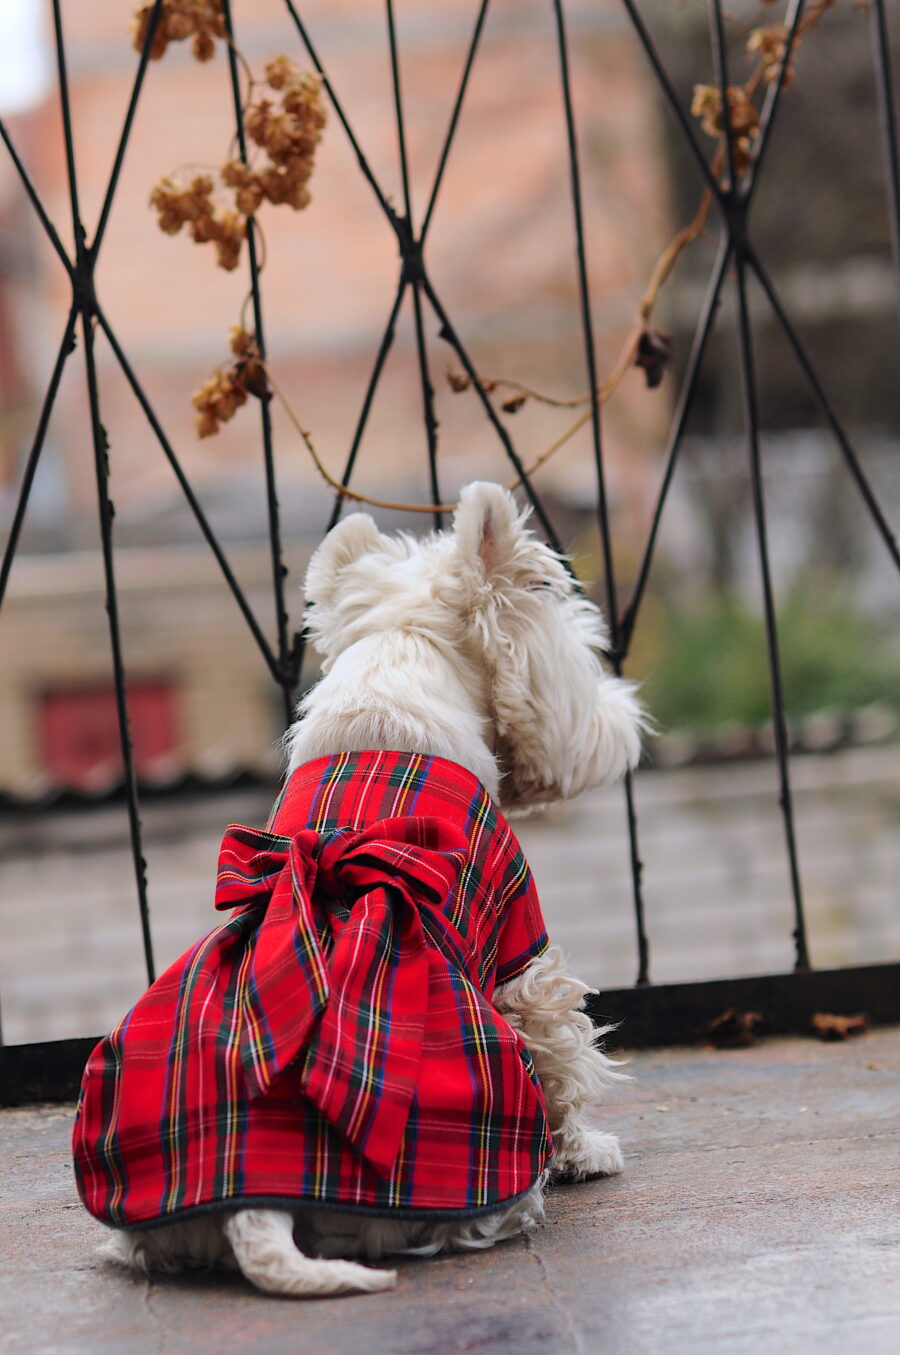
(333, 1043)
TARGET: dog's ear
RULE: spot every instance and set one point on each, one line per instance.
(560, 722)
(356, 536)
(488, 528)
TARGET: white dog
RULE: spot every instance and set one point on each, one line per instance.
(473, 648)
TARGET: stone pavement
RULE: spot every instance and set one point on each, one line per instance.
(757, 1216)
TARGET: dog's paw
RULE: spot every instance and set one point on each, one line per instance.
(590, 1153)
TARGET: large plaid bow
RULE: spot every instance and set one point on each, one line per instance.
(338, 964)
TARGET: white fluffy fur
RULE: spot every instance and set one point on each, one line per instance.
(473, 645)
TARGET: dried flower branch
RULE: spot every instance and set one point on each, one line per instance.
(641, 338)
(220, 397)
(215, 207)
(288, 130)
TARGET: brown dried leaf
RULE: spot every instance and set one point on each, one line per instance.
(513, 404)
(654, 355)
(252, 376)
(733, 1029)
(830, 1026)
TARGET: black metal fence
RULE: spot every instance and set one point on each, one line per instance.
(652, 1013)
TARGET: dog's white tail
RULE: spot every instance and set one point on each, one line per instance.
(263, 1244)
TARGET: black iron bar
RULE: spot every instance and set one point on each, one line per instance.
(380, 358)
(194, 503)
(673, 99)
(834, 424)
(85, 301)
(412, 259)
(735, 207)
(431, 423)
(449, 333)
(152, 25)
(82, 269)
(112, 610)
(887, 112)
(398, 113)
(587, 330)
(36, 203)
(720, 69)
(454, 119)
(363, 163)
(65, 348)
(751, 417)
(703, 330)
(637, 879)
(285, 676)
(771, 104)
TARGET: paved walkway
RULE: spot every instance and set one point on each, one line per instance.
(757, 1216)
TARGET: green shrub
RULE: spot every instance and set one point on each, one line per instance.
(709, 664)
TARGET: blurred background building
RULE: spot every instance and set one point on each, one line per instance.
(205, 713)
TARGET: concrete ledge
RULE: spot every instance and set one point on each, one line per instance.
(648, 1016)
(756, 1214)
(681, 1013)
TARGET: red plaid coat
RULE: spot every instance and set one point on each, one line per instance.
(333, 1043)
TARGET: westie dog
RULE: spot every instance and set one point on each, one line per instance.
(379, 1052)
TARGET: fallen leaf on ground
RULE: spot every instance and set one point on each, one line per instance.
(829, 1026)
(733, 1029)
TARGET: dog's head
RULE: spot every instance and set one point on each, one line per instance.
(492, 592)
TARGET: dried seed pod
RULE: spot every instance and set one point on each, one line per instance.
(178, 205)
(241, 342)
(707, 106)
(280, 72)
(229, 387)
(743, 119)
(217, 400)
(201, 20)
(203, 47)
(231, 230)
(139, 30)
(770, 45)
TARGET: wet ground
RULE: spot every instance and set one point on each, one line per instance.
(758, 1213)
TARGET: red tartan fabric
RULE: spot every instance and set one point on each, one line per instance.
(333, 1043)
